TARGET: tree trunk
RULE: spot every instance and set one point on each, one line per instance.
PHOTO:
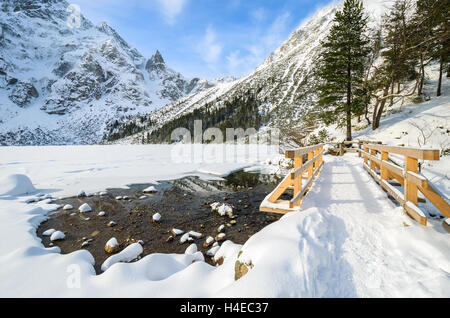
(398, 88)
(422, 76)
(391, 103)
(441, 70)
(366, 115)
(377, 115)
(349, 104)
(375, 111)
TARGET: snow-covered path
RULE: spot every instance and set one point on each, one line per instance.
(348, 241)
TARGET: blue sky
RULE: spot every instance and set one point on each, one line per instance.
(204, 38)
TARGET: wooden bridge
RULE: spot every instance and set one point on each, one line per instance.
(401, 181)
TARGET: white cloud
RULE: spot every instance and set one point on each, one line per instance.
(171, 9)
(259, 14)
(210, 48)
(244, 61)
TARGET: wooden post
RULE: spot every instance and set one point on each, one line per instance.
(317, 163)
(341, 149)
(311, 169)
(411, 164)
(373, 163)
(298, 161)
(360, 148)
(365, 158)
(384, 170)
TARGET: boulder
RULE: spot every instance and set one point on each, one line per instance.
(23, 93)
(112, 246)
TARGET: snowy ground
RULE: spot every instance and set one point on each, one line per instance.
(349, 240)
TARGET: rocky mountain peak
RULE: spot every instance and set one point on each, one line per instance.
(156, 63)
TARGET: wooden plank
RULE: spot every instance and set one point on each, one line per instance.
(393, 168)
(396, 194)
(416, 153)
(305, 166)
(282, 187)
(372, 173)
(438, 201)
(308, 185)
(266, 209)
(415, 213)
(291, 154)
(417, 179)
(384, 170)
(298, 161)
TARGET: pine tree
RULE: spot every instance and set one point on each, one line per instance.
(433, 20)
(341, 93)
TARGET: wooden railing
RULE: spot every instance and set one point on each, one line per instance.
(379, 166)
(347, 146)
(308, 162)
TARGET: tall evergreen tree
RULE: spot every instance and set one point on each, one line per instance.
(342, 65)
(433, 20)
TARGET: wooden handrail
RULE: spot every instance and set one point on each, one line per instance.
(294, 180)
(378, 165)
(304, 167)
(293, 153)
(416, 153)
(409, 177)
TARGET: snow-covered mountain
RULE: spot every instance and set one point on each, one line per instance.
(65, 80)
(282, 86)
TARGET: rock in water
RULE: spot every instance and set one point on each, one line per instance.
(85, 208)
(112, 246)
(49, 232)
(57, 235)
(156, 218)
(127, 255)
(150, 189)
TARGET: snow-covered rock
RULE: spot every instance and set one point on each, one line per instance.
(209, 241)
(196, 235)
(101, 213)
(57, 235)
(49, 232)
(192, 249)
(220, 237)
(150, 189)
(84, 208)
(112, 246)
(184, 238)
(128, 254)
(16, 185)
(213, 251)
(222, 208)
(176, 232)
(156, 217)
(221, 228)
(68, 207)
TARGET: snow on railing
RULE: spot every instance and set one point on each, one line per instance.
(408, 177)
(381, 168)
(302, 170)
